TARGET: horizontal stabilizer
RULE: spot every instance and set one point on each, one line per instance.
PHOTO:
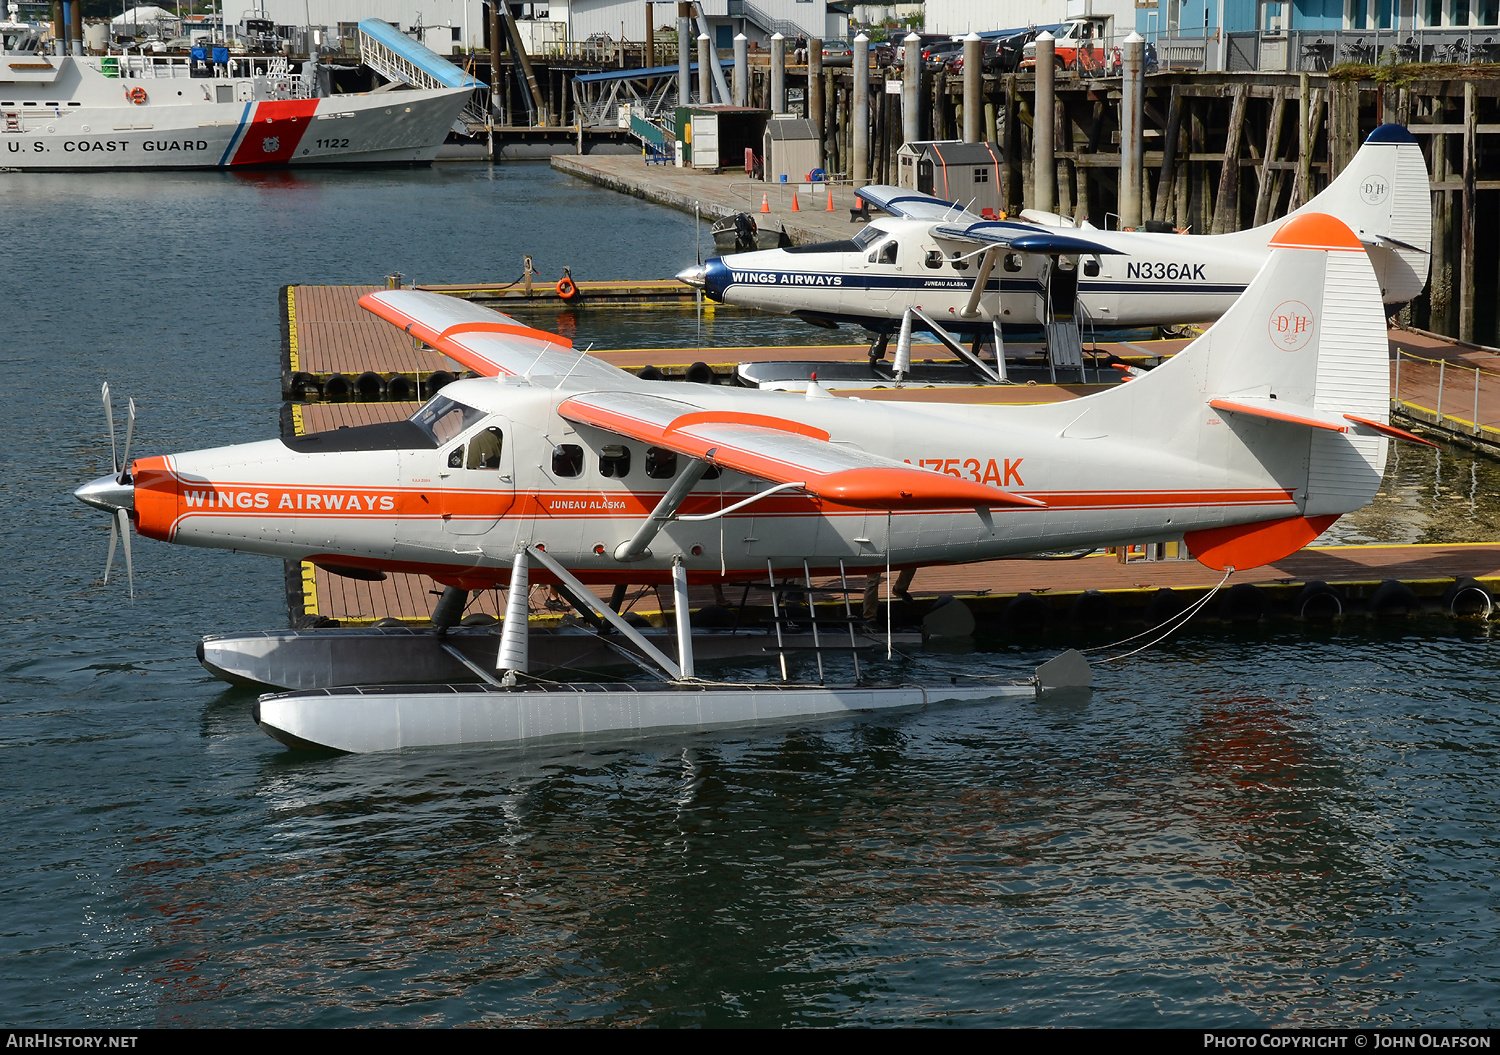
(1022, 237)
(1280, 410)
(782, 451)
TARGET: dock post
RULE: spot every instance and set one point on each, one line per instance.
(741, 70)
(859, 170)
(1043, 168)
(705, 77)
(911, 87)
(973, 89)
(1466, 213)
(684, 55)
(648, 60)
(778, 73)
(815, 102)
(1132, 156)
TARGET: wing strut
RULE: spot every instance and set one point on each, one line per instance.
(666, 509)
(986, 265)
(956, 347)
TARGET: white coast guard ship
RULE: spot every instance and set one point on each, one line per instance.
(156, 111)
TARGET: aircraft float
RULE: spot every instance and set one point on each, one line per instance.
(932, 262)
(555, 466)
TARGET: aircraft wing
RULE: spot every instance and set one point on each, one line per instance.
(485, 341)
(782, 451)
(909, 205)
(1021, 237)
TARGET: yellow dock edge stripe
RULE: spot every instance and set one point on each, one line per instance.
(293, 360)
(309, 590)
(298, 427)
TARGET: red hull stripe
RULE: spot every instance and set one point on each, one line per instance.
(275, 132)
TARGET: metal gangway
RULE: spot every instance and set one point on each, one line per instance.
(402, 60)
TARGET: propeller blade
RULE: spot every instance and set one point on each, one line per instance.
(122, 518)
(109, 417)
(114, 536)
(124, 467)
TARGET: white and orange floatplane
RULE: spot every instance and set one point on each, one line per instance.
(554, 466)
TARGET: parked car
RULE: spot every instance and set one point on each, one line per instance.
(1079, 46)
(936, 55)
(837, 53)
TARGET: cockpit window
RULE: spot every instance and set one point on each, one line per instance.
(484, 449)
(443, 418)
(869, 236)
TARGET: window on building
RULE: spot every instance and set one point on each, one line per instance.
(982, 174)
(1432, 13)
(1460, 12)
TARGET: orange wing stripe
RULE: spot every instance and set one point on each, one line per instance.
(761, 421)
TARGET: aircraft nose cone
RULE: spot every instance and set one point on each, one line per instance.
(695, 276)
(107, 493)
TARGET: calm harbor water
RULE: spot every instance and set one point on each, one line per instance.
(1280, 825)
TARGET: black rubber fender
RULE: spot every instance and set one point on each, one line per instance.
(1392, 598)
(1244, 603)
(388, 620)
(478, 619)
(1318, 601)
(400, 389)
(1466, 598)
(1026, 613)
(1092, 609)
(338, 387)
(305, 385)
(438, 379)
(1164, 604)
(649, 373)
(370, 385)
(699, 373)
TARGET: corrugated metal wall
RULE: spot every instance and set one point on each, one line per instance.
(467, 15)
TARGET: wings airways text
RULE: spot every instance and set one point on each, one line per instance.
(783, 278)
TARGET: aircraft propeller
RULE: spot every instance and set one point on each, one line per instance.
(115, 493)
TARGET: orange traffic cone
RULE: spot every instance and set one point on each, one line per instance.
(795, 196)
(765, 203)
(830, 199)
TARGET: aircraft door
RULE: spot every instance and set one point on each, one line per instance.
(1062, 289)
(478, 485)
(884, 263)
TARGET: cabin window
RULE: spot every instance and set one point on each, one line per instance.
(958, 261)
(661, 464)
(1091, 268)
(567, 460)
(484, 449)
(1012, 261)
(934, 258)
(614, 461)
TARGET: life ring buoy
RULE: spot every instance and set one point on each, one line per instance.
(136, 95)
(566, 289)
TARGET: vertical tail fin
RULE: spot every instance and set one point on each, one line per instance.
(1385, 197)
